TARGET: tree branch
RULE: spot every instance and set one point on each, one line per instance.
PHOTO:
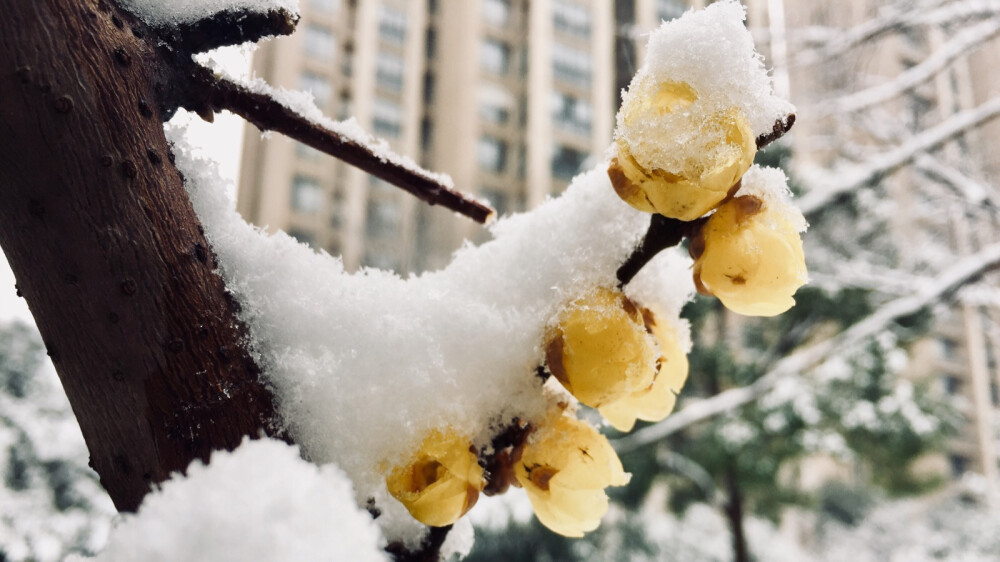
(663, 233)
(226, 28)
(900, 16)
(957, 125)
(960, 45)
(211, 93)
(780, 128)
(961, 273)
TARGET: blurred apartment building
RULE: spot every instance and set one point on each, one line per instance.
(508, 97)
(513, 97)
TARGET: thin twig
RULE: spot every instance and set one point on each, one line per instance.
(211, 93)
(780, 128)
(663, 233)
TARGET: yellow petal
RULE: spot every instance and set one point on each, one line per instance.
(753, 264)
(564, 468)
(440, 482)
(600, 350)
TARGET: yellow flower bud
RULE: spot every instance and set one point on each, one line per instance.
(752, 256)
(564, 467)
(656, 401)
(441, 482)
(600, 350)
(672, 159)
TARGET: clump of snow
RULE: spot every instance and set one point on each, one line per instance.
(771, 186)
(260, 502)
(175, 12)
(365, 365)
(712, 52)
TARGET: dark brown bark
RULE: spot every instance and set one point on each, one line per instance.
(735, 512)
(108, 252)
(268, 114)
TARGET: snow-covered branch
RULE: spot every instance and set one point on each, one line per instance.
(269, 110)
(961, 273)
(963, 43)
(973, 191)
(862, 174)
(897, 17)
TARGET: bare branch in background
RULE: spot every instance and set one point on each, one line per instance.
(862, 174)
(898, 17)
(963, 272)
(962, 44)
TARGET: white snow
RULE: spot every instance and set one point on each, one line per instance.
(711, 51)
(175, 12)
(260, 502)
(364, 365)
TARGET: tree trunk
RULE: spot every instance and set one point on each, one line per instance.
(734, 514)
(108, 252)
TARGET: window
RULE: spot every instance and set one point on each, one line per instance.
(428, 87)
(952, 384)
(571, 18)
(959, 464)
(319, 42)
(571, 113)
(302, 236)
(496, 12)
(498, 199)
(430, 47)
(389, 72)
(307, 195)
(316, 85)
(307, 152)
(392, 25)
(491, 153)
(382, 218)
(325, 6)
(387, 117)
(566, 162)
(495, 104)
(426, 133)
(670, 9)
(494, 56)
(570, 65)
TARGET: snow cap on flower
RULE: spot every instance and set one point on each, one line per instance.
(690, 118)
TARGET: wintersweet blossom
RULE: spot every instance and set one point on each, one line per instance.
(441, 482)
(749, 255)
(600, 350)
(711, 151)
(564, 467)
(656, 401)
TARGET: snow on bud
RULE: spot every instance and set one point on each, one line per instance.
(564, 467)
(749, 253)
(600, 350)
(674, 156)
(441, 482)
(656, 401)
